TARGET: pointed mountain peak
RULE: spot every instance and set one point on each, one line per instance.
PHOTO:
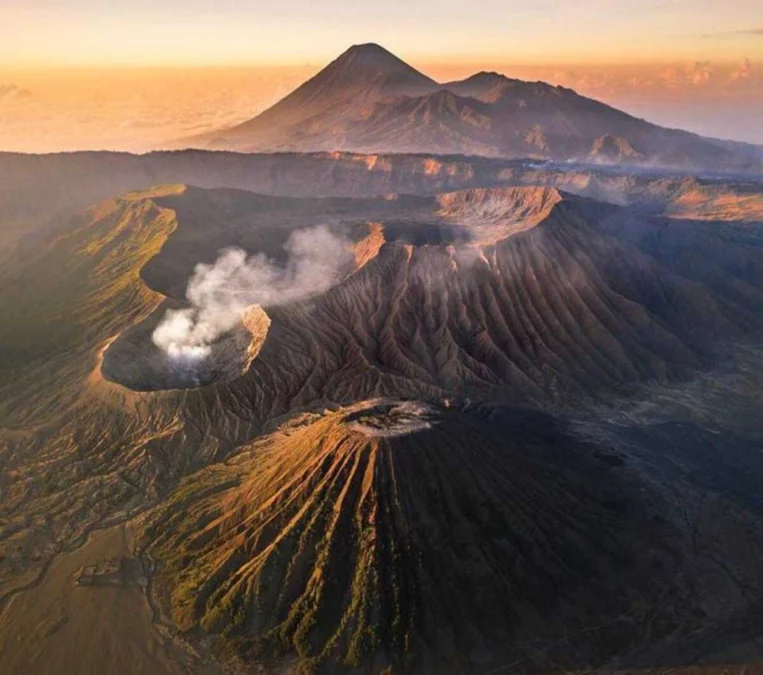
(372, 59)
(369, 50)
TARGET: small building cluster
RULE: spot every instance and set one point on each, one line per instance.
(105, 572)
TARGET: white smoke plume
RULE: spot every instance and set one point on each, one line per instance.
(220, 292)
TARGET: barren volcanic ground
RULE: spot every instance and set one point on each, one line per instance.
(431, 543)
(509, 426)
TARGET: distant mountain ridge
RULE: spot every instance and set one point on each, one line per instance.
(368, 100)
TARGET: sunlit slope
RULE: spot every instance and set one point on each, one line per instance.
(67, 294)
(74, 453)
(420, 539)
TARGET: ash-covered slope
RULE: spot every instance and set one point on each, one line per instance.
(495, 294)
(368, 100)
(520, 293)
(509, 293)
(406, 536)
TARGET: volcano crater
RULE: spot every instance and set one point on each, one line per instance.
(135, 362)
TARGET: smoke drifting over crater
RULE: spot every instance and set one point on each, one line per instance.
(220, 292)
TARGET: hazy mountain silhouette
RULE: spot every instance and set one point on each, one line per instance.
(360, 77)
(368, 100)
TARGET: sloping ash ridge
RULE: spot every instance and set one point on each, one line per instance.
(439, 548)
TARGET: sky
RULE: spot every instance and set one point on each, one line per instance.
(90, 32)
(130, 74)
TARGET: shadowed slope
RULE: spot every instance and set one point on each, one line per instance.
(561, 306)
(362, 539)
